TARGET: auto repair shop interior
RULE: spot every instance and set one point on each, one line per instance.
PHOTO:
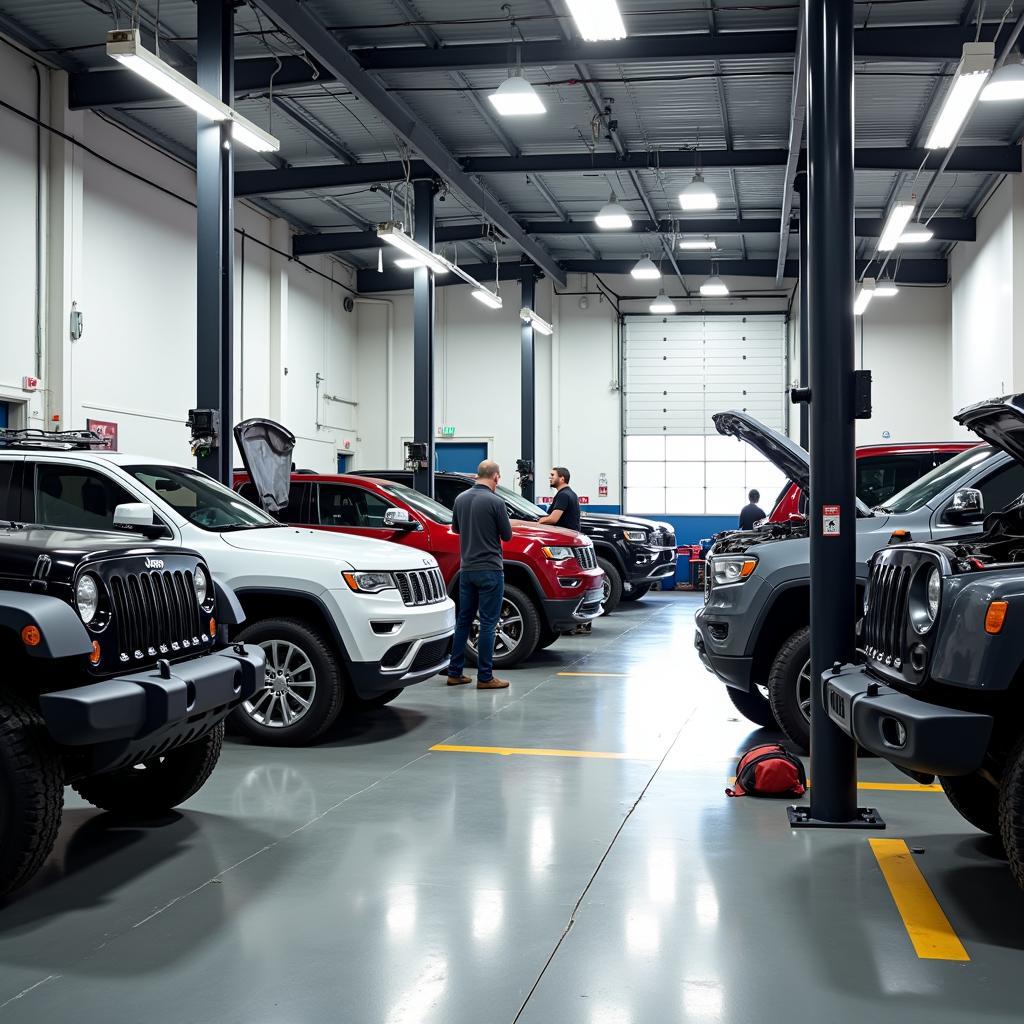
(277, 276)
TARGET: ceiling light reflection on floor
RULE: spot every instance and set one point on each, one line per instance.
(542, 842)
(661, 876)
(488, 912)
(401, 915)
(705, 905)
(643, 934)
(703, 999)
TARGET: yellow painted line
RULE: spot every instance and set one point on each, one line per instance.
(887, 787)
(539, 752)
(596, 675)
(928, 927)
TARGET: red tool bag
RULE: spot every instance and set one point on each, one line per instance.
(769, 770)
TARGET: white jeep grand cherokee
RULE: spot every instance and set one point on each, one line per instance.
(344, 621)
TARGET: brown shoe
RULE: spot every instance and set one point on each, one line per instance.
(458, 680)
(493, 684)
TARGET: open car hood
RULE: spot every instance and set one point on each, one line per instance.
(266, 449)
(1000, 421)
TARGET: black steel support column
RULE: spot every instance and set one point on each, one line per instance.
(528, 422)
(805, 326)
(215, 233)
(423, 337)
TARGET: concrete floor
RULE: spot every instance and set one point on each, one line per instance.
(372, 881)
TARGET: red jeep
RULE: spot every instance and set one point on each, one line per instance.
(552, 582)
(882, 471)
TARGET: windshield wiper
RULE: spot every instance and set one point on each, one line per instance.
(883, 509)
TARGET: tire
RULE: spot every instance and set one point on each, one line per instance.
(31, 793)
(636, 592)
(789, 689)
(975, 799)
(380, 700)
(1011, 812)
(159, 784)
(753, 705)
(318, 681)
(547, 638)
(521, 624)
(612, 586)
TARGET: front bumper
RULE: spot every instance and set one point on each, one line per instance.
(403, 665)
(908, 732)
(561, 615)
(733, 671)
(646, 564)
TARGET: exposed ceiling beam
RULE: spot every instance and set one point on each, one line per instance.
(308, 32)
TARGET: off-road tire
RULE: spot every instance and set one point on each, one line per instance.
(155, 786)
(380, 700)
(613, 585)
(1011, 812)
(328, 698)
(31, 793)
(530, 636)
(783, 689)
(975, 799)
(636, 592)
(752, 705)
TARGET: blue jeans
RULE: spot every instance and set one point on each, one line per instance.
(479, 590)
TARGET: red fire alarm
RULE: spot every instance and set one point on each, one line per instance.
(29, 383)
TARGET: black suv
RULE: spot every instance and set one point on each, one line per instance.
(634, 553)
(941, 692)
(118, 681)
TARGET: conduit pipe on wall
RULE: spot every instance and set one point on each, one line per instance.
(389, 307)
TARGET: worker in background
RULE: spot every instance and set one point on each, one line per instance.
(565, 505)
(480, 518)
(752, 513)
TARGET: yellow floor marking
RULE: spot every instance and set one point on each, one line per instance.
(540, 752)
(928, 927)
(887, 787)
(597, 675)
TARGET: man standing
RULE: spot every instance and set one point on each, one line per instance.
(752, 513)
(481, 521)
(565, 506)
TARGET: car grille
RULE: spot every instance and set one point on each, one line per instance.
(886, 614)
(421, 586)
(156, 614)
(586, 556)
(663, 539)
(431, 654)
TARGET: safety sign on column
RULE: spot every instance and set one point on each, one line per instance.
(830, 520)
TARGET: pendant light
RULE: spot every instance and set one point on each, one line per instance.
(698, 195)
(662, 303)
(645, 269)
(597, 19)
(895, 225)
(864, 296)
(705, 244)
(613, 216)
(515, 97)
(714, 287)
(972, 74)
(885, 288)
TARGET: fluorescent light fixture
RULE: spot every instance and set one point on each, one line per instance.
(528, 316)
(915, 234)
(515, 97)
(394, 235)
(971, 75)
(698, 195)
(886, 288)
(645, 269)
(613, 216)
(714, 287)
(662, 303)
(864, 296)
(704, 244)
(487, 297)
(895, 224)
(252, 135)
(1006, 84)
(408, 263)
(597, 19)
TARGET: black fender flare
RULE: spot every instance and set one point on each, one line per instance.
(229, 608)
(62, 632)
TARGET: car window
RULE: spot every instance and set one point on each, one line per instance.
(10, 489)
(879, 477)
(346, 505)
(447, 490)
(1002, 487)
(297, 512)
(932, 484)
(76, 497)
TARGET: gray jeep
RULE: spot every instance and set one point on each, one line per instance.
(753, 631)
(941, 691)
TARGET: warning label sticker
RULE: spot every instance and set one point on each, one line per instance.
(830, 520)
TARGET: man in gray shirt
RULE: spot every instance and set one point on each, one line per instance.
(481, 521)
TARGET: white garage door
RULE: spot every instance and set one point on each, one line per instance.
(678, 372)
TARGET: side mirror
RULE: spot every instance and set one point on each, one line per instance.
(138, 516)
(399, 519)
(967, 506)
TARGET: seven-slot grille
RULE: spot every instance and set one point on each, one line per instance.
(156, 614)
(886, 614)
(586, 556)
(421, 586)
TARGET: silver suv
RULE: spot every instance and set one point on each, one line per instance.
(753, 631)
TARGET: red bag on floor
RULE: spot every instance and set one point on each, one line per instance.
(769, 770)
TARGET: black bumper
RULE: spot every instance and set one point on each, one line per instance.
(734, 672)
(648, 565)
(370, 679)
(562, 615)
(909, 733)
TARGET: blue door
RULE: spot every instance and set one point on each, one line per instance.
(4, 408)
(459, 456)
(344, 461)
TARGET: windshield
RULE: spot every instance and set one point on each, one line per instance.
(430, 508)
(932, 484)
(200, 499)
(524, 508)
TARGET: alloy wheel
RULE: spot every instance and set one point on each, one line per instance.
(288, 688)
(507, 635)
(803, 690)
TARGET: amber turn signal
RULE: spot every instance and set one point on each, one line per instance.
(31, 637)
(213, 626)
(97, 653)
(748, 567)
(996, 616)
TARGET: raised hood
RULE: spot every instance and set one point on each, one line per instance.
(266, 449)
(1000, 421)
(786, 455)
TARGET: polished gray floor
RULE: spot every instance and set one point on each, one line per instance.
(372, 880)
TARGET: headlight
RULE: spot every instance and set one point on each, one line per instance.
(925, 597)
(201, 585)
(732, 568)
(558, 553)
(87, 598)
(369, 582)
(635, 536)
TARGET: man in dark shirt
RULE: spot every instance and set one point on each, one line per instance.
(565, 506)
(480, 519)
(752, 513)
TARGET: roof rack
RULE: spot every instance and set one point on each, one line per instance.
(52, 440)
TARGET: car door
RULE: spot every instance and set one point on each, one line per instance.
(998, 488)
(360, 511)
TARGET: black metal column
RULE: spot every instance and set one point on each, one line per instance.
(805, 327)
(423, 338)
(215, 224)
(528, 422)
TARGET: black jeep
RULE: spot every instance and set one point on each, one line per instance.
(941, 692)
(119, 677)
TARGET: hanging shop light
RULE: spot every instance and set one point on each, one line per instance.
(125, 46)
(515, 97)
(1007, 83)
(662, 303)
(487, 297)
(408, 263)
(420, 255)
(916, 234)
(698, 195)
(597, 19)
(538, 323)
(645, 269)
(714, 287)
(705, 244)
(864, 296)
(613, 216)
(973, 71)
(895, 224)
(885, 288)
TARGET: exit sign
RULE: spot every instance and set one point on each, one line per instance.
(447, 431)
